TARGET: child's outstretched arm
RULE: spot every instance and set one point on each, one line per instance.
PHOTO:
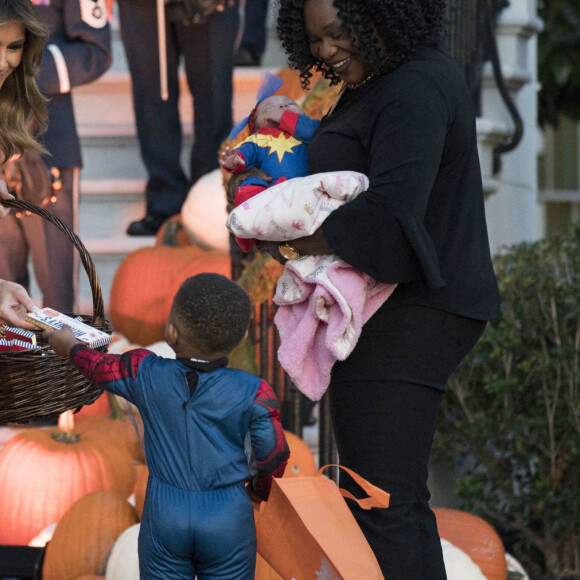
(231, 160)
(268, 440)
(111, 372)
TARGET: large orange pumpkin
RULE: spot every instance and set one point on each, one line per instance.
(99, 407)
(116, 427)
(41, 477)
(214, 262)
(301, 462)
(476, 537)
(85, 534)
(140, 289)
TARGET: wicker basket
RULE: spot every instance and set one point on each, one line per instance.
(37, 384)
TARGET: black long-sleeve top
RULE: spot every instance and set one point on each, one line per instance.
(422, 221)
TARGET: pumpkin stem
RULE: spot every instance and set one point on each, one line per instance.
(116, 411)
(65, 433)
(169, 237)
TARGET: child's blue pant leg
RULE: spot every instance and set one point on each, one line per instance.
(210, 534)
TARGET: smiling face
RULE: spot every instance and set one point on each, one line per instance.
(271, 109)
(12, 37)
(330, 44)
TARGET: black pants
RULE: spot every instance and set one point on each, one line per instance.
(208, 53)
(384, 403)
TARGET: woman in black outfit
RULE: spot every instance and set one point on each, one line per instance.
(405, 119)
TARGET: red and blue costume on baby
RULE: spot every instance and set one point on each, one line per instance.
(279, 151)
(206, 428)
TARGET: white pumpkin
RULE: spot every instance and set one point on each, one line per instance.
(458, 565)
(123, 561)
(204, 214)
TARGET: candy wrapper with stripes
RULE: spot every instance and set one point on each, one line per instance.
(50, 319)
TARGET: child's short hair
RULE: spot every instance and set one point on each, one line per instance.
(214, 312)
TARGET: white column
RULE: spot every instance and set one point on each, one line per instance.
(513, 212)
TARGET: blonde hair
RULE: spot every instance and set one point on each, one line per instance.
(22, 106)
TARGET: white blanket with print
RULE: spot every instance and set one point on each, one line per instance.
(323, 302)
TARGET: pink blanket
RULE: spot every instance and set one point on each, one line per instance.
(321, 323)
(323, 302)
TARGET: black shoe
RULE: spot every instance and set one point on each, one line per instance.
(148, 226)
(247, 57)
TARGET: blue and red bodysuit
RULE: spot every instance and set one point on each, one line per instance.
(279, 151)
(202, 421)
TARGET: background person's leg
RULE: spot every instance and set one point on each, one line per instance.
(158, 122)
(208, 50)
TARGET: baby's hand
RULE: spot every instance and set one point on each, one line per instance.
(61, 340)
(230, 158)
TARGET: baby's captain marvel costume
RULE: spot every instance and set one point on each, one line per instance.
(200, 418)
(279, 151)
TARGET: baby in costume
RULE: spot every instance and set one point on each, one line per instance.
(280, 132)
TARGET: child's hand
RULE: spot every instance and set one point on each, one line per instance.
(61, 340)
(230, 159)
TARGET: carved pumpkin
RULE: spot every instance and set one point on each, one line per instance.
(123, 562)
(140, 288)
(84, 535)
(301, 462)
(44, 471)
(477, 538)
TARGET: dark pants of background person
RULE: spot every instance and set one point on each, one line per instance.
(385, 401)
(54, 258)
(254, 37)
(207, 50)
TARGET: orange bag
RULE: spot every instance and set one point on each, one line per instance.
(305, 530)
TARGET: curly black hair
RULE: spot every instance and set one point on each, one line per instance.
(401, 24)
(213, 312)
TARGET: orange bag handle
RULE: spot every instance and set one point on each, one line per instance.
(376, 496)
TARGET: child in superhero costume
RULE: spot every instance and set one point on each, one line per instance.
(280, 132)
(207, 427)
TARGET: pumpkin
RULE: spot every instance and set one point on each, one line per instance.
(123, 561)
(214, 262)
(301, 462)
(140, 288)
(140, 488)
(476, 537)
(116, 427)
(44, 471)
(204, 214)
(84, 535)
(99, 407)
(458, 565)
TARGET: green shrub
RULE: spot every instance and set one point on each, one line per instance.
(510, 422)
